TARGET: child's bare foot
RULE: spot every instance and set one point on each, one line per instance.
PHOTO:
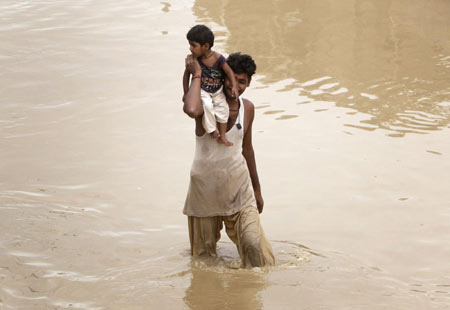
(215, 135)
(224, 140)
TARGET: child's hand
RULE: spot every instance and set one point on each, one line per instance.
(235, 92)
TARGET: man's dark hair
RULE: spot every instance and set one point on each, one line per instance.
(201, 34)
(242, 63)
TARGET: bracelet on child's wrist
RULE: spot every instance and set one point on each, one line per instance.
(196, 76)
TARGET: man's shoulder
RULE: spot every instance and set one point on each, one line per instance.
(248, 104)
(249, 107)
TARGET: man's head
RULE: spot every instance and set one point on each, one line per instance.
(244, 67)
(201, 39)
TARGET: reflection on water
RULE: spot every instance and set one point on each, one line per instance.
(218, 283)
(388, 59)
(226, 289)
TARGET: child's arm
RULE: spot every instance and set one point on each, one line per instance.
(230, 74)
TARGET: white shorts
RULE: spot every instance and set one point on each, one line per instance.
(215, 109)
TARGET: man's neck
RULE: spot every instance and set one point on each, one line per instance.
(233, 103)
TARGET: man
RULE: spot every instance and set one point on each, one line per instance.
(224, 188)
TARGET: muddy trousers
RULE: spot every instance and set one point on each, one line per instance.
(243, 228)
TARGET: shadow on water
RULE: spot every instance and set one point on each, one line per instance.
(388, 59)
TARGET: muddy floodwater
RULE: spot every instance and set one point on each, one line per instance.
(351, 135)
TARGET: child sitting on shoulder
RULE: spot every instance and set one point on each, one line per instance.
(214, 67)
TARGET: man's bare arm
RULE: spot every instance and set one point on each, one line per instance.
(186, 81)
(249, 155)
(192, 104)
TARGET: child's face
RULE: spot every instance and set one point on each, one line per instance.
(198, 50)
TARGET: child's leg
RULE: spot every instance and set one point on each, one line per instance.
(222, 130)
(222, 112)
(208, 119)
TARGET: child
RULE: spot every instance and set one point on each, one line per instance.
(214, 66)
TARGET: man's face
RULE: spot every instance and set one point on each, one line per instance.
(242, 82)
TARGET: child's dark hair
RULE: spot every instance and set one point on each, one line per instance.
(242, 63)
(201, 34)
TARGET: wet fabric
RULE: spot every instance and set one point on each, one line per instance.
(220, 183)
(212, 77)
(215, 109)
(243, 228)
(220, 193)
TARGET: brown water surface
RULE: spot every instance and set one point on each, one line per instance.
(351, 136)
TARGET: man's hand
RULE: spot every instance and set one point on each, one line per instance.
(259, 201)
(192, 65)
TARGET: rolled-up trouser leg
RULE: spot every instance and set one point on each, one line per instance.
(209, 118)
(221, 109)
(204, 232)
(245, 230)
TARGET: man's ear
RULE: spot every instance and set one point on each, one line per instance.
(206, 45)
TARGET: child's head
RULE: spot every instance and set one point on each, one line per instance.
(201, 39)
